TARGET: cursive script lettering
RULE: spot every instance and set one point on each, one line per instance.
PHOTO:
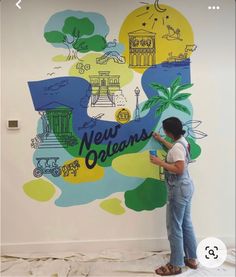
(92, 156)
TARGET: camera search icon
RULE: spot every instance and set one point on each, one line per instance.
(211, 252)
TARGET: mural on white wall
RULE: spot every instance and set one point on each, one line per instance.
(89, 144)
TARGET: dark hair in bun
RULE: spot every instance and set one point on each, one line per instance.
(173, 126)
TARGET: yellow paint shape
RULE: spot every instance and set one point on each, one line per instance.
(83, 174)
(39, 190)
(125, 73)
(60, 58)
(112, 206)
(123, 115)
(137, 165)
(167, 41)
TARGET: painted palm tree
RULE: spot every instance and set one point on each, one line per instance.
(170, 97)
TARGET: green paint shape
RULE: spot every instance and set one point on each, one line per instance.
(39, 190)
(73, 150)
(54, 37)
(151, 194)
(195, 149)
(95, 43)
(112, 206)
(77, 27)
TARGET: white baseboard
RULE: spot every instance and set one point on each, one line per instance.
(138, 244)
(151, 244)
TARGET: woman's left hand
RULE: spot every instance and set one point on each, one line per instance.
(155, 160)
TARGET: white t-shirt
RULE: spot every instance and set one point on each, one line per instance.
(177, 152)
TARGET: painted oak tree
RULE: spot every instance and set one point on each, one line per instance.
(77, 36)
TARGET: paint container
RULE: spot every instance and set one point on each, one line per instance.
(153, 152)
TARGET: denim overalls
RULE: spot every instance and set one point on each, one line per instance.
(178, 217)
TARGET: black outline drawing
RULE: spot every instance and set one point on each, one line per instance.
(142, 48)
(106, 100)
(56, 86)
(137, 109)
(104, 86)
(158, 11)
(190, 47)
(154, 22)
(151, 16)
(141, 14)
(111, 44)
(51, 73)
(56, 127)
(84, 102)
(163, 19)
(157, 7)
(173, 34)
(92, 123)
(190, 128)
(83, 67)
(123, 114)
(72, 168)
(114, 55)
(35, 142)
(180, 60)
(54, 169)
(121, 100)
(45, 123)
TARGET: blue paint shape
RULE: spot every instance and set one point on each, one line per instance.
(85, 193)
(118, 48)
(70, 92)
(164, 76)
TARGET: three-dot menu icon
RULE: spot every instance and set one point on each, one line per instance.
(213, 7)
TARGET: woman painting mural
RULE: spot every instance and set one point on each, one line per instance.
(180, 190)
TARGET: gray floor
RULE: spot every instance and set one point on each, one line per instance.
(110, 263)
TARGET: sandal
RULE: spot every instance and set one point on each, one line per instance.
(168, 269)
(191, 263)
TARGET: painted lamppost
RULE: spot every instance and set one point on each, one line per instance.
(137, 110)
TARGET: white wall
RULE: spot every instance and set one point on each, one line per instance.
(28, 225)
